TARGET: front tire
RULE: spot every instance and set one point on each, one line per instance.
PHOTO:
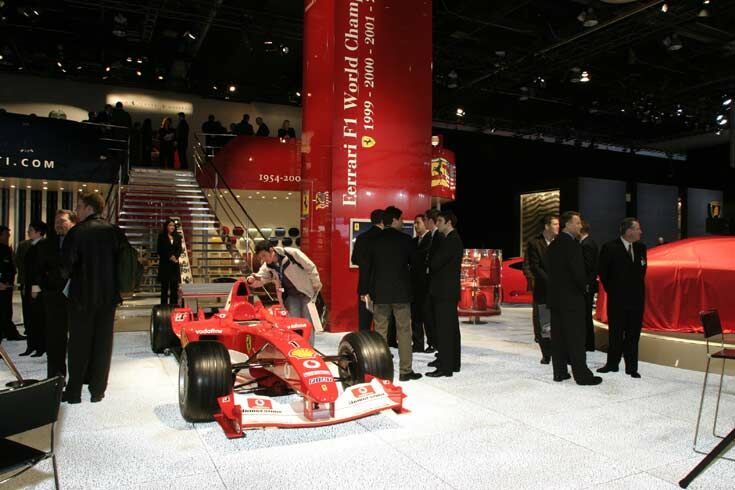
(205, 374)
(368, 353)
(161, 333)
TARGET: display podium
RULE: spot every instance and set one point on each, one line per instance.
(480, 292)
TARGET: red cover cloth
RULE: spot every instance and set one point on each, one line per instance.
(684, 278)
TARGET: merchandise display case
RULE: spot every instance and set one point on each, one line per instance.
(480, 283)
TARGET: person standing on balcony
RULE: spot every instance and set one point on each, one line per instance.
(169, 273)
(166, 141)
(262, 127)
(182, 140)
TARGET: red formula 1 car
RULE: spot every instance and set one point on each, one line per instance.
(234, 362)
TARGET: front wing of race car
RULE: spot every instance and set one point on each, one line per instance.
(242, 412)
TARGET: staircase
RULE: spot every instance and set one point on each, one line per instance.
(152, 196)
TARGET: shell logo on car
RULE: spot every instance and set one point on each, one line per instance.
(302, 353)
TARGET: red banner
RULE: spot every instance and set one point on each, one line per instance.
(443, 174)
(373, 149)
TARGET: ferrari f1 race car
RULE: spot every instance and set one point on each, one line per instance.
(234, 361)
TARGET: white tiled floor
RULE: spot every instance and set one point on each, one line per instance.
(500, 423)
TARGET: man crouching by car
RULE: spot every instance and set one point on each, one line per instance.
(294, 274)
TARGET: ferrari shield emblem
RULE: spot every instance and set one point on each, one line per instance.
(324, 387)
(368, 142)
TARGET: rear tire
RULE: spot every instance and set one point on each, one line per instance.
(161, 333)
(368, 353)
(205, 374)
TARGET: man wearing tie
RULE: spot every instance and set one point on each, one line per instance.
(435, 238)
(51, 280)
(622, 272)
(419, 281)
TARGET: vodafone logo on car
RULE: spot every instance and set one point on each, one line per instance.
(362, 391)
(312, 364)
(260, 403)
(208, 331)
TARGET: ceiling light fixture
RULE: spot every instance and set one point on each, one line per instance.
(588, 18)
(107, 69)
(727, 102)
(665, 7)
(190, 35)
(723, 122)
(585, 77)
(160, 77)
(232, 88)
(129, 59)
(58, 63)
(703, 13)
(673, 43)
(139, 73)
(460, 112)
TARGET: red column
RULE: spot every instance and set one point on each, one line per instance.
(367, 128)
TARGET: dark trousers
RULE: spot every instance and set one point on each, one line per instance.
(624, 332)
(169, 292)
(447, 333)
(391, 337)
(589, 324)
(56, 310)
(182, 156)
(544, 343)
(7, 327)
(417, 323)
(90, 348)
(34, 323)
(429, 322)
(567, 342)
(364, 316)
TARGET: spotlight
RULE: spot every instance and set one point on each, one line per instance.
(139, 73)
(452, 84)
(190, 35)
(585, 77)
(720, 117)
(140, 61)
(232, 88)
(727, 102)
(107, 69)
(673, 43)
(267, 43)
(723, 122)
(79, 67)
(588, 18)
(703, 13)
(129, 59)
(665, 7)
(214, 87)
(460, 112)
(1, 57)
(453, 74)
(160, 77)
(284, 49)
(298, 94)
(120, 25)
(58, 63)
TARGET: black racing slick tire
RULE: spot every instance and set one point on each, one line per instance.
(364, 353)
(205, 374)
(161, 333)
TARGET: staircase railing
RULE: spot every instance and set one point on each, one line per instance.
(210, 176)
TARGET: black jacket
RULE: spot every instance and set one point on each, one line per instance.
(533, 268)
(91, 250)
(445, 267)
(182, 134)
(623, 278)
(282, 133)
(591, 254)
(360, 254)
(30, 269)
(419, 277)
(168, 271)
(7, 265)
(389, 267)
(49, 274)
(263, 130)
(567, 284)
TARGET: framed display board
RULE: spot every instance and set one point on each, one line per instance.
(534, 206)
(360, 226)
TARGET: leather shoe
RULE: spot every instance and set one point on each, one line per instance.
(607, 369)
(38, 353)
(438, 374)
(26, 352)
(409, 376)
(429, 350)
(17, 336)
(66, 397)
(545, 360)
(434, 363)
(97, 398)
(592, 380)
(635, 375)
(563, 377)
(394, 345)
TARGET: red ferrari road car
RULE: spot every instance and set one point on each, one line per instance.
(514, 283)
(234, 362)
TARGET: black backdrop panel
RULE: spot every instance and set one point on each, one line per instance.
(657, 212)
(602, 204)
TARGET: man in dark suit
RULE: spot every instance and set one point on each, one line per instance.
(262, 127)
(389, 272)
(7, 279)
(360, 253)
(537, 278)
(435, 238)
(90, 253)
(419, 281)
(182, 140)
(623, 272)
(566, 297)
(590, 252)
(444, 269)
(51, 280)
(35, 323)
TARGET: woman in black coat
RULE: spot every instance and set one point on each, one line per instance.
(166, 142)
(169, 274)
